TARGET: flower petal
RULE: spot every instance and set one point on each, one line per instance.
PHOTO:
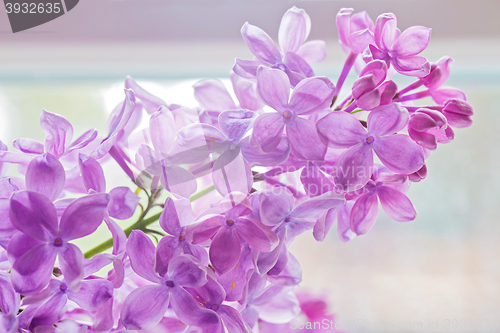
(273, 87)
(29, 146)
(233, 320)
(312, 51)
(162, 130)
(343, 24)
(399, 153)
(396, 204)
(213, 95)
(32, 270)
(235, 281)
(225, 250)
(412, 66)
(178, 180)
(189, 311)
(141, 252)
(246, 68)
(231, 173)
(71, 261)
(268, 130)
(275, 207)
(34, 214)
(9, 300)
(176, 214)
(92, 173)
(150, 101)
(412, 41)
(340, 130)
(312, 95)
(304, 140)
(235, 124)
(168, 248)
(294, 29)
(83, 216)
(256, 234)
(45, 174)
(49, 312)
(202, 231)
(364, 213)
(58, 132)
(387, 120)
(256, 156)
(93, 294)
(260, 44)
(137, 314)
(353, 168)
(123, 203)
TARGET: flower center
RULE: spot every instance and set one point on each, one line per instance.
(63, 287)
(370, 139)
(58, 242)
(181, 237)
(214, 307)
(232, 146)
(287, 219)
(169, 283)
(281, 67)
(287, 114)
(230, 223)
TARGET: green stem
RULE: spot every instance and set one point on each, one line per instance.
(141, 224)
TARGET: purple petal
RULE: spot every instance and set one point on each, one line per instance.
(225, 250)
(312, 95)
(141, 252)
(235, 124)
(385, 31)
(83, 216)
(213, 95)
(82, 141)
(196, 251)
(364, 213)
(396, 204)
(138, 314)
(275, 207)
(93, 294)
(34, 214)
(294, 29)
(177, 214)
(343, 24)
(6, 228)
(123, 114)
(360, 40)
(246, 92)
(58, 132)
(291, 275)
(32, 271)
(296, 68)
(317, 205)
(353, 168)
(246, 68)
(45, 174)
(235, 281)
(267, 260)
(7, 187)
(168, 248)
(29, 146)
(387, 92)
(92, 174)
(123, 203)
(257, 156)
(256, 234)
(324, 223)
(260, 44)
(178, 180)
(442, 95)
(71, 261)
(304, 140)
(273, 87)
(399, 153)
(151, 102)
(314, 181)
(162, 129)
(344, 231)
(202, 231)
(97, 262)
(268, 130)
(19, 244)
(412, 66)
(458, 113)
(387, 120)
(233, 320)
(9, 300)
(119, 236)
(412, 41)
(312, 51)
(231, 173)
(281, 308)
(211, 293)
(340, 130)
(189, 311)
(103, 321)
(49, 312)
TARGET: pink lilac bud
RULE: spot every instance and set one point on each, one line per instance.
(428, 127)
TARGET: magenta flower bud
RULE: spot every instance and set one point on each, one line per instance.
(440, 72)
(370, 90)
(428, 127)
(458, 113)
(418, 175)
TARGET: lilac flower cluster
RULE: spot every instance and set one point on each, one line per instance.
(283, 159)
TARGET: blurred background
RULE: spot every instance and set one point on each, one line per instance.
(440, 272)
